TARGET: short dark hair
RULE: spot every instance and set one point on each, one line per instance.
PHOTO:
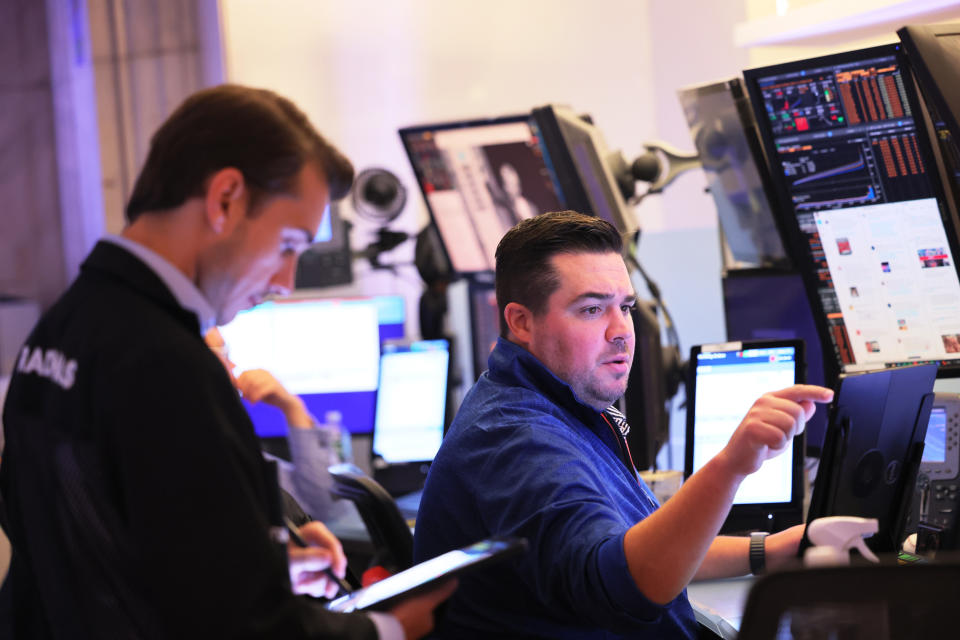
(524, 273)
(263, 135)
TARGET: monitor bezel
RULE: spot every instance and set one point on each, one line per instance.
(556, 124)
(766, 516)
(796, 244)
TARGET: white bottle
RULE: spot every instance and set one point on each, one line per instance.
(335, 438)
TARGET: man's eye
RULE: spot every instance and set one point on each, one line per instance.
(627, 308)
(592, 310)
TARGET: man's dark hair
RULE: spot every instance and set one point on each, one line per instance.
(524, 272)
(263, 135)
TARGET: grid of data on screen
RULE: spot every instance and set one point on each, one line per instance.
(311, 346)
(845, 143)
(727, 384)
(411, 402)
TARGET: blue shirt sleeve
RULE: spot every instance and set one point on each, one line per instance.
(564, 501)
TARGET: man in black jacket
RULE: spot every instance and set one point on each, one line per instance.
(138, 502)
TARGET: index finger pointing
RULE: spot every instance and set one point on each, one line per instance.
(800, 392)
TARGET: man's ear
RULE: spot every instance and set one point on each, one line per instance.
(519, 321)
(226, 199)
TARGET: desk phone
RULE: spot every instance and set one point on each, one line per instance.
(934, 511)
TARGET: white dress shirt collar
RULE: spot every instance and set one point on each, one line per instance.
(185, 292)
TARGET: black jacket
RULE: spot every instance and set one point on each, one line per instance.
(138, 503)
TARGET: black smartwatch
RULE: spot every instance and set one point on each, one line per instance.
(758, 553)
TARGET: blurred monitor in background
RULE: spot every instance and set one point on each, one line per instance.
(725, 138)
(329, 261)
(411, 415)
(478, 179)
(580, 160)
(326, 350)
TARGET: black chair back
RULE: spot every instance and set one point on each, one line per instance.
(388, 530)
(870, 602)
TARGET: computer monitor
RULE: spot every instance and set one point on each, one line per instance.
(411, 415)
(411, 401)
(327, 350)
(932, 51)
(328, 261)
(863, 213)
(578, 157)
(724, 382)
(479, 178)
(484, 322)
(645, 399)
(725, 137)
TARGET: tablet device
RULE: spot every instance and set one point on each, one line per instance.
(725, 380)
(382, 595)
(873, 449)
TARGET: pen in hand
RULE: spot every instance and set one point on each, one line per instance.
(300, 542)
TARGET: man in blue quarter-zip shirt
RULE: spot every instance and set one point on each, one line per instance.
(536, 451)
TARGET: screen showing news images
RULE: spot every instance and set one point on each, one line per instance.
(326, 350)
(850, 165)
(411, 401)
(480, 178)
(727, 385)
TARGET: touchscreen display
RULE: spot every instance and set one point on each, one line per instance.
(424, 573)
(935, 445)
(727, 384)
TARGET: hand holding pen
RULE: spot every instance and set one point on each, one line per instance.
(316, 558)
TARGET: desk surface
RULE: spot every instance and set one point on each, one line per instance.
(718, 604)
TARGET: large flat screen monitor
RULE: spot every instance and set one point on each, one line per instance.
(479, 178)
(724, 135)
(862, 209)
(327, 350)
(725, 380)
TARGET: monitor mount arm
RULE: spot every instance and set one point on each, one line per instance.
(649, 167)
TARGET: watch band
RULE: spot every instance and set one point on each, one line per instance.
(758, 552)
